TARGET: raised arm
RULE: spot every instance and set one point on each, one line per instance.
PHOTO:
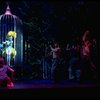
(86, 35)
(54, 49)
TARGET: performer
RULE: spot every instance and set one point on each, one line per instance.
(48, 60)
(88, 70)
(56, 52)
(74, 63)
(5, 79)
(9, 50)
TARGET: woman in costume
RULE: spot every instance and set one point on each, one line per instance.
(9, 50)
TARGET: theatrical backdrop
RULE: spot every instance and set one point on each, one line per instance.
(39, 24)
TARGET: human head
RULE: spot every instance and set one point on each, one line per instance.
(11, 34)
(88, 36)
(56, 45)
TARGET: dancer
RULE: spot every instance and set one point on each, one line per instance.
(9, 50)
(88, 71)
(56, 52)
(5, 80)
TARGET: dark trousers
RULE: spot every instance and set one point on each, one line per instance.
(55, 62)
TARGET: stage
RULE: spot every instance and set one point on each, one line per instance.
(48, 89)
(31, 84)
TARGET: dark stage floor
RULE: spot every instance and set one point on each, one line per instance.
(31, 84)
(48, 89)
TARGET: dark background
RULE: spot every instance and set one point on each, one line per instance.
(56, 19)
(47, 20)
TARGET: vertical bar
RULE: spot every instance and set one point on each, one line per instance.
(14, 38)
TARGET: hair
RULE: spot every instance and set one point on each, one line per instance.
(88, 36)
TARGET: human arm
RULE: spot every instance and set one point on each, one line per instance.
(10, 69)
(86, 36)
(10, 73)
(54, 49)
(4, 42)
